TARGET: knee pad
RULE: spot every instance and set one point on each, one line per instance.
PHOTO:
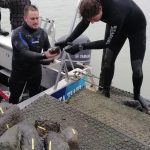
(137, 68)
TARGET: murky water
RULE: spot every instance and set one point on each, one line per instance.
(62, 11)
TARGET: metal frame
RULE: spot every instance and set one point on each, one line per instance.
(49, 27)
(63, 65)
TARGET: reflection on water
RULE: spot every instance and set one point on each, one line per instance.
(62, 11)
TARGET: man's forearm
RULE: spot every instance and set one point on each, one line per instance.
(95, 45)
(26, 55)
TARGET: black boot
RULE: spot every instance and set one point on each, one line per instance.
(105, 92)
(143, 103)
(100, 88)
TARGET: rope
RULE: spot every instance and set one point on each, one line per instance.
(88, 75)
(77, 77)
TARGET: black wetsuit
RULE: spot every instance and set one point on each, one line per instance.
(125, 20)
(16, 11)
(26, 61)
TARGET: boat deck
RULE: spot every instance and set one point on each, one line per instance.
(102, 123)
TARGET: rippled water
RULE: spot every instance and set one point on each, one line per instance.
(62, 11)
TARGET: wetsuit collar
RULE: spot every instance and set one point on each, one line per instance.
(25, 25)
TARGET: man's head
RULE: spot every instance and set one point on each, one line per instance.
(91, 10)
(31, 16)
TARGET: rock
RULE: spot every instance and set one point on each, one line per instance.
(30, 140)
(10, 140)
(55, 141)
(4, 107)
(10, 116)
(71, 136)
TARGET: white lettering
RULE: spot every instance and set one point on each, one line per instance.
(62, 98)
(112, 32)
(35, 42)
(85, 56)
(70, 93)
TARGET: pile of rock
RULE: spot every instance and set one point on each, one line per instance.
(18, 134)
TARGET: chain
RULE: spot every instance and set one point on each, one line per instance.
(85, 74)
(77, 76)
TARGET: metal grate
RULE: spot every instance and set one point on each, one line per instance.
(93, 134)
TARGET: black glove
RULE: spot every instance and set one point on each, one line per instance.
(61, 44)
(74, 49)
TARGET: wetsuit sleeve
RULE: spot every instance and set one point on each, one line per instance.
(22, 51)
(46, 42)
(80, 28)
(5, 3)
(95, 45)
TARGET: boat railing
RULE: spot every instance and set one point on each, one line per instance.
(49, 27)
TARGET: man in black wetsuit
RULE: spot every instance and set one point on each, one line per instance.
(16, 8)
(28, 41)
(125, 20)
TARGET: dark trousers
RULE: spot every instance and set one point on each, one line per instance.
(101, 81)
(17, 83)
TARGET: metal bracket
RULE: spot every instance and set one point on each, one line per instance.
(63, 67)
(49, 27)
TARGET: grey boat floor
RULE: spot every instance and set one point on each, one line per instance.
(102, 123)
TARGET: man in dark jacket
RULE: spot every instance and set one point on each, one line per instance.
(125, 20)
(28, 41)
(16, 11)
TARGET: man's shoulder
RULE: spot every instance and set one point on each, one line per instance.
(42, 31)
(16, 31)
